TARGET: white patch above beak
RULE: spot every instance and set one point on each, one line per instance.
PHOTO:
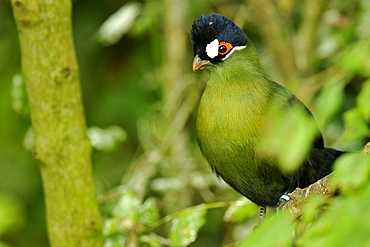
(212, 48)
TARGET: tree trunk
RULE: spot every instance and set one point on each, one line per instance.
(61, 145)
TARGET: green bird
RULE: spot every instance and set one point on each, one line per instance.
(237, 104)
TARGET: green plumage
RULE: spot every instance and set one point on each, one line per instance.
(231, 113)
(235, 111)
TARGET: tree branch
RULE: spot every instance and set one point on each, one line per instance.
(277, 35)
(299, 196)
(306, 36)
(321, 187)
(61, 145)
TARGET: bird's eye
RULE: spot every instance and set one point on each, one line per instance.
(224, 48)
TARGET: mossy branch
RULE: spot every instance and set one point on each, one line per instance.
(61, 145)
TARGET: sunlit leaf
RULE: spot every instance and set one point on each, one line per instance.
(29, 139)
(328, 102)
(274, 231)
(153, 240)
(289, 138)
(127, 206)
(149, 212)
(116, 240)
(184, 229)
(106, 139)
(352, 171)
(111, 226)
(118, 24)
(18, 93)
(355, 127)
(167, 184)
(355, 59)
(343, 224)
(363, 100)
(2, 244)
(12, 213)
(241, 210)
(311, 208)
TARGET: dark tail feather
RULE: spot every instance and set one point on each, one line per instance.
(333, 154)
(318, 165)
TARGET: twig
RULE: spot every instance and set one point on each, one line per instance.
(277, 34)
(300, 196)
(206, 206)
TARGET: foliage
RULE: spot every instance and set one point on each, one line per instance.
(140, 97)
(12, 214)
(131, 219)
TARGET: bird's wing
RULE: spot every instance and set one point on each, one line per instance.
(289, 101)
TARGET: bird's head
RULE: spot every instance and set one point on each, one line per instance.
(215, 38)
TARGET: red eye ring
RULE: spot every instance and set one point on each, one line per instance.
(224, 48)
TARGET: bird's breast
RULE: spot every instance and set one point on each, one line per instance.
(228, 126)
(230, 116)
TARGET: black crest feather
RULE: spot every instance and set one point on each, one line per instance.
(213, 26)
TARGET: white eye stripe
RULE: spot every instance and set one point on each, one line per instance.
(232, 50)
(212, 48)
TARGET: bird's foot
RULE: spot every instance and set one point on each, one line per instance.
(261, 216)
(282, 201)
(262, 213)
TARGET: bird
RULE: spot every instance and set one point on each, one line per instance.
(237, 103)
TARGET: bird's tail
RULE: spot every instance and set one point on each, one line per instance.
(333, 154)
(318, 165)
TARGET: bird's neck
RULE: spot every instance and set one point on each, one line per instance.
(236, 86)
(243, 66)
(241, 75)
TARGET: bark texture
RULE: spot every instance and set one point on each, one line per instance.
(61, 145)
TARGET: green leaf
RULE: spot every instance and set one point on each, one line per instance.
(363, 100)
(311, 208)
(127, 206)
(19, 98)
(106, 139)
(29, 139)
(184, 229)
(12, 213)
(344, 224)
(241, 210)
(274, 231)
(355, 59)
(111, 226)
(2, 244)
(152, 240)
(352, 171)
(149, 212)
(118, 24)
(288, 138)
(328, 103)
(355, 126)
(116, 240)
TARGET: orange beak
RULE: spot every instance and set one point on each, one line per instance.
(199, 63)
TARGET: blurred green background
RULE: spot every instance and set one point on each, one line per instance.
(140, 97)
